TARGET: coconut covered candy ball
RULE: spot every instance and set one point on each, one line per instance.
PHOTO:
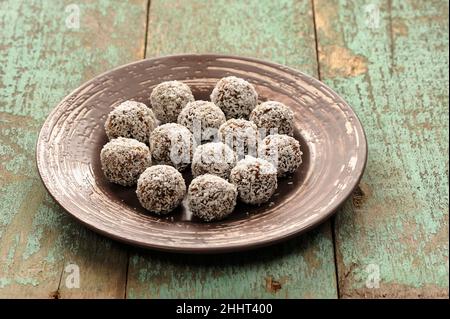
(168, 99)
(202, 118)
(160, 189)
(274, 117)
(124, 159)
(235, 96)
(172, 144)
(255, 178)
(240, 135)
(130, 119)
(211, 198)
(213, 158)
(283, 152)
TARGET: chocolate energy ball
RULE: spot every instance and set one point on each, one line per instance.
(160, 189)
(124, 159)
(211, 198)
(255, 178)
(274, 117)
(241, 135)
(202, 118)
(213, 158)
(130, 119)
(168, 99)
(235, 96)
(283, 152)
(172, 144)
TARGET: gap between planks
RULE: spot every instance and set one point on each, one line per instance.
(147, 23)
(332, 219)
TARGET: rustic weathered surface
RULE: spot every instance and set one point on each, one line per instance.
(280, 31)
(391, 67)
(41, 60)
(296, 269)
(389, 59)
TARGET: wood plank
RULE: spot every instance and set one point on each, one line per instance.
(390, 60)
(43, 57)
(281, 31)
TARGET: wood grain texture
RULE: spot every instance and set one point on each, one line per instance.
(392, 69)
(279, 31)
(41, 60)
(389, 59)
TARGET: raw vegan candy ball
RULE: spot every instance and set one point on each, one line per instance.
(172, 144)
(202, 118)
(168, 99)
(235, 96)
(273, 116)
(124, 159)
(130, 119)
(211, 197)
(160, 189)
(255, 178)
(241, 135)
(213, 158)
(283, 152)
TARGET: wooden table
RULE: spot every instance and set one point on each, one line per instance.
(388, 59)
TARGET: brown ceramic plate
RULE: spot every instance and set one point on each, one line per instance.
(331, 136)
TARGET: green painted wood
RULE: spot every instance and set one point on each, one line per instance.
(281, 31)
(390, 60)
(393, 71)
(42, 60)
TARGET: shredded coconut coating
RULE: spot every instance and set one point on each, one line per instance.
(124, 159)
(283, 152)
(213, 158)
(172, 144)
(274, 117)
(168, 99)
(211, 198)
(235, 96)
(160, 189)
(202, 118)
(256, 180)
(130, 119)
(240, 135)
